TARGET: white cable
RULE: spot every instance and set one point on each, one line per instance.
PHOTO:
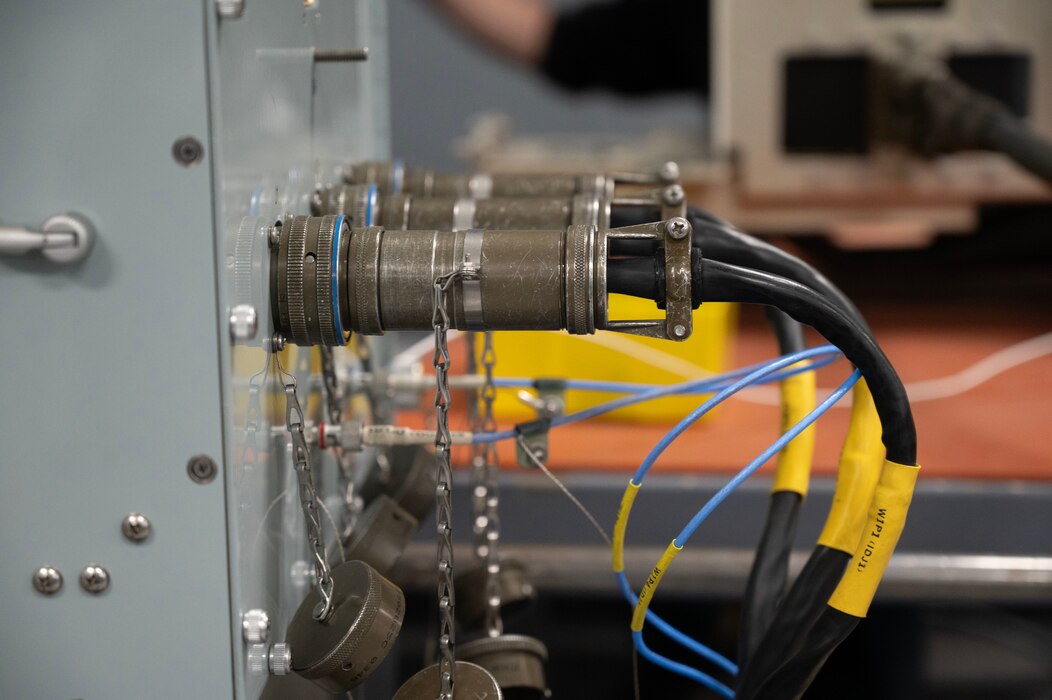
(388, 435)
(942, 387)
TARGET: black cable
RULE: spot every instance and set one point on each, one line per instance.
(932, 113)
(841, 323)
(722, 282)
(720, 241)
(769, 576)
(802, 606)
(788, 333)
(794, 676)
(1011, 136)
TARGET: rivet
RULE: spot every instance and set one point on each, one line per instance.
(94, 578)
(136, 527)
(47, 580)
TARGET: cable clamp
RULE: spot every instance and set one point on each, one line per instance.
(534, 437)
(471, 285)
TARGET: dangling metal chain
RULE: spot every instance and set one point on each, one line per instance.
(491, 493)
(443, 490)
(332, 386)
(334, 409)
(294, 421)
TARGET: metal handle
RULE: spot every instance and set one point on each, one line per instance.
(63, 238)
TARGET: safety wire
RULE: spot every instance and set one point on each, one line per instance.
(639, 615)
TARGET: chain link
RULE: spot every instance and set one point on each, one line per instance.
(491, 495)
(444, 480)
(331, 384)
(294, 422)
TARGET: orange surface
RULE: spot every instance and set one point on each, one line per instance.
(998, 430)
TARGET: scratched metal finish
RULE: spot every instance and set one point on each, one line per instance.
(522, 281)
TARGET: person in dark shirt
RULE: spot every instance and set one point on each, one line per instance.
(631, 47)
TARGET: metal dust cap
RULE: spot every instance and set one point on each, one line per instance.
(342, 651)
(472, 683)
(409, 479)
(515, 661)
(516, 593)
(380, 535)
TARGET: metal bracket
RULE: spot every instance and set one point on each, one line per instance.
(675, 235)
(550, 402)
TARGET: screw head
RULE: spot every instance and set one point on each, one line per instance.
(679, 330)
(187, 151)
(136, 527)
(677, 227)
(202, 469)
(244, 321)
(94, 578)
(540, 453)
(669, 172)
(255, 626)
(277, 343)
(673, 195)
(47, 580)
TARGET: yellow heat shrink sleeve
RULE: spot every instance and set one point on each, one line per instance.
(794, 461)
(857, 475)
(617, 544)
(640, 613)
(887, 518)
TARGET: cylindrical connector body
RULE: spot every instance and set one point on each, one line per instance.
(395, 178)
(523, 286)
(367, 207)
(328, 279)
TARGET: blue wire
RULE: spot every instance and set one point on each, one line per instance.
(674, 634)
(692, 386)
(754, 376)
(713, 401)
(760, 460)
(825, 355)
(712, 504)
(682, 669)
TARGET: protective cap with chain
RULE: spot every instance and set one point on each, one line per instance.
(328, 280)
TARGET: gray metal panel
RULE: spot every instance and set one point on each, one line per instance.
(110, 370)
(118, 371)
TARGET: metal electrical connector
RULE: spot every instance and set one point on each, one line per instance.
(394, 177)
(328, 279)
(367, 205)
